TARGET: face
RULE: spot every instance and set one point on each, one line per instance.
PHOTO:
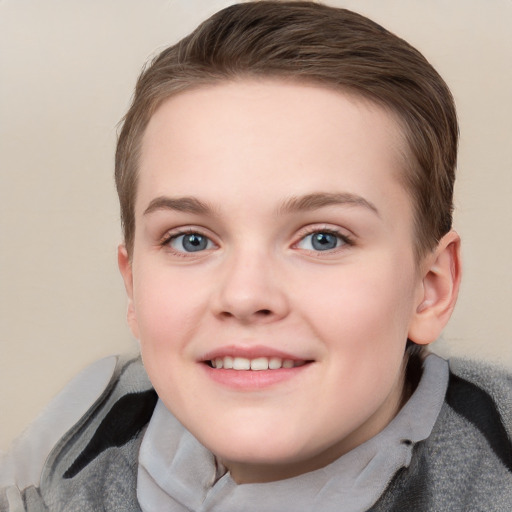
(273, 282)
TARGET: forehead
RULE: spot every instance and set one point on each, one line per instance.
(251, 137)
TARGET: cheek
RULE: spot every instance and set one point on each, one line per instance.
(168, 309)
(168, 315)
(363, 322)
(373, 302)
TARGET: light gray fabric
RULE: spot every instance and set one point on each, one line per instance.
(176, 473)
(106, 484)
(463, 465)
(21, 466)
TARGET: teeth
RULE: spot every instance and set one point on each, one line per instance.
(257, 364)
(261, 363)
(241, 363)
(275, 363)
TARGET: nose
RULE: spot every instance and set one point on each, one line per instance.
(250, 289)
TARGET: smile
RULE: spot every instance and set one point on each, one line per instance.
(256, 364)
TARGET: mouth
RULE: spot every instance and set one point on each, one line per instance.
(255, 364)
(253, 368)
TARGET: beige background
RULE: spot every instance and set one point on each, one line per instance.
(67, 71)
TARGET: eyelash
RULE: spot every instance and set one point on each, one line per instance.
(165, 242)
(345, 239)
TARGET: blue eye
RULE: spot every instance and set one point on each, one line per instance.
(190, 242)
(321, 241)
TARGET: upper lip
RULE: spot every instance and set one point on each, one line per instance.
(249, 352)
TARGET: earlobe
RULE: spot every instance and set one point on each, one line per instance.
(440, 287)
(125, 267)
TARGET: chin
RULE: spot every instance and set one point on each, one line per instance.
(259, 449)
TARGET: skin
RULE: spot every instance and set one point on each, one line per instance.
(266, 164)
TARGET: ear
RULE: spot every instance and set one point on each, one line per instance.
(125, 267)
(441, 274)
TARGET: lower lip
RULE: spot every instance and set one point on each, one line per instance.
(247, 380)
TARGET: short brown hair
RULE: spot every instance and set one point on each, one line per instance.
(306, 41)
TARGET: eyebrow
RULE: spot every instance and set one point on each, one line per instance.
(180, 204)
(291, 205)
(322, 199)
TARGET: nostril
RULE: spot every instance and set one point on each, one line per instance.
(246, 317)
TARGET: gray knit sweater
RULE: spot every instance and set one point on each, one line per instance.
(465, 464)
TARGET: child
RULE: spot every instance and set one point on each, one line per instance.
(285, 175)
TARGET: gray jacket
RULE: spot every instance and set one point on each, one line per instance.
(464, 465)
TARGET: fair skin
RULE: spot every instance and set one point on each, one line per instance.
(272, 229)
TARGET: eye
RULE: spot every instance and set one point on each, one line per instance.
(190, 242)
(322, 241)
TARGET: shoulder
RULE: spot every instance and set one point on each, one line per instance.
(483, 373)
(105, 405)
(466, 462)
(479, 389)
(469, 453)
(22, 464)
